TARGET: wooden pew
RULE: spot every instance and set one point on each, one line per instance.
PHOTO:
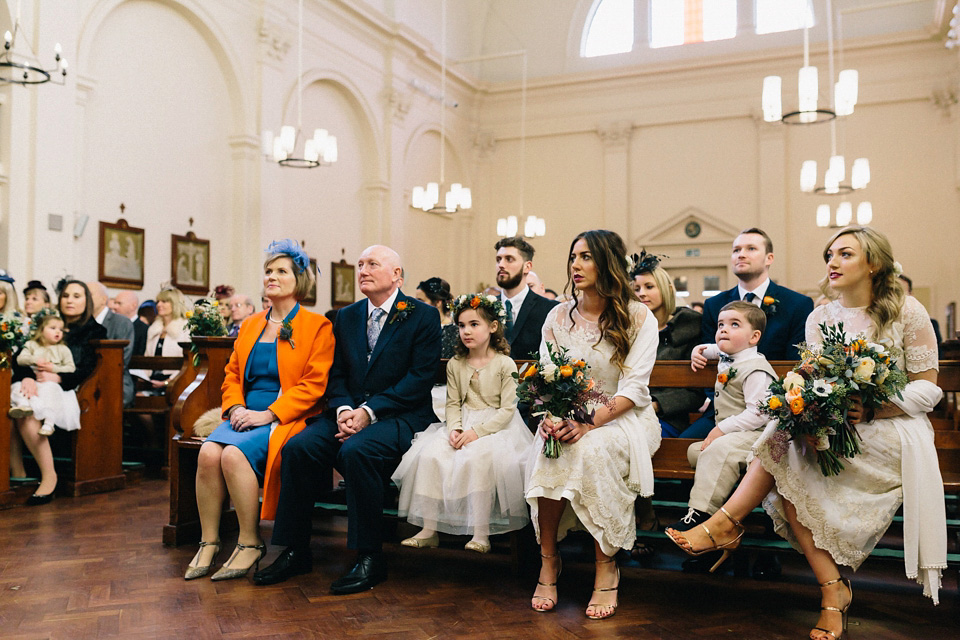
(160, 407)
(97, 447)
(7, 494)
(199, 395)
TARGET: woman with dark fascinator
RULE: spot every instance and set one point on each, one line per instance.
(274, 381)
(679, 333)
(436, 293)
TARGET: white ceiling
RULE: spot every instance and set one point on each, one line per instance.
(551, 30)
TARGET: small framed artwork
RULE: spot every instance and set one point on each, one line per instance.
(342, 284)
(190, 264)
(311, 298)
(121, 255)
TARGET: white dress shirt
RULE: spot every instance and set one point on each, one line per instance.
(516, 301)
(760, 292)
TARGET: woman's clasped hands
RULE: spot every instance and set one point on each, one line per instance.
(243, 419)
(565, 431)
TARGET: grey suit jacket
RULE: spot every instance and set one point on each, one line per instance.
(120, 328)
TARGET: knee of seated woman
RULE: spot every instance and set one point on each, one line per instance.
(210, 454)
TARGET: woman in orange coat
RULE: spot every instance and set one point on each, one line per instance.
(274, 381)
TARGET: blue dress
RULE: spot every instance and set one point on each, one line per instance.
(261, 388)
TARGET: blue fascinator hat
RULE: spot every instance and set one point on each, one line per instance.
(291, 249)
(6, 277)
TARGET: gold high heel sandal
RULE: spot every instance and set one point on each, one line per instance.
(198, 571)
(616, 600)
(226, 573)
(727, 547)
(842, 612)
(548, 584)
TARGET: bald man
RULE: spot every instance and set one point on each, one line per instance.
(127, 304)
(118, 328)
(378, 398)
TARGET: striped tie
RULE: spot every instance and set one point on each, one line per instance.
(373, 329)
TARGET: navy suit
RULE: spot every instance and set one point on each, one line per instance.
(785, 329)
(395, 383)
(527, 330)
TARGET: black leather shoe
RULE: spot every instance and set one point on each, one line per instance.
(369, 571)
(767, 566)
(689, 521)
(36, 499)
(291, 562)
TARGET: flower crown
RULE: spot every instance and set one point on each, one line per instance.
(37, 318)
(291, 249)
(474, 300)
(643, 263)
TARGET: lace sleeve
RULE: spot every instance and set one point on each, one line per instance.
(634, 380)
(812, 329)
(919, 340)
(546, 333)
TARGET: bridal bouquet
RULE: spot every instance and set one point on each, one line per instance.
(12, 338)
(558, 390)
(812, 400)
(204, 320)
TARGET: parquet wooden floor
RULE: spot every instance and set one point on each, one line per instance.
(94, 567)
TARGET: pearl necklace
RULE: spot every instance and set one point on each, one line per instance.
(270, 318)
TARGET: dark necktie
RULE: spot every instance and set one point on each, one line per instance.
(509, 328)
(750, 297)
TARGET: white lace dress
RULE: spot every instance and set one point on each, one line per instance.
(849, 513)
(602, 474)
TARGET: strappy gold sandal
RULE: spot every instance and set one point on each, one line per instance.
(548, 584)
(842, 612)
(616, 601)
(727, 547)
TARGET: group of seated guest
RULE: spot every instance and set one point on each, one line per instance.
(356, 396)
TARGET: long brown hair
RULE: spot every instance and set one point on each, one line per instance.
(887, 296)
(610, 255)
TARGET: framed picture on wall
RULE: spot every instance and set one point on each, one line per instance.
(311, 298)
(120, 262)
(342, 284)
(190, 264)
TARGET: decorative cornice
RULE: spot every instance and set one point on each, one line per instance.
(945, 100)
(615, 134)
(484, 144)
(273, 41)
(400, 103)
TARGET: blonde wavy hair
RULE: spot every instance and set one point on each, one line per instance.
(887, 296)
(178, 304)
(613, 283)
(12, 302)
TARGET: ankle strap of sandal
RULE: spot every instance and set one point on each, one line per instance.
(830, 582)
(730, 517)
(259, 547)
(216, 543)
(543, 555)
(605, 561)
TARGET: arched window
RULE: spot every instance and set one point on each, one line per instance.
(674, 22)
(609, 29)
(774, 16)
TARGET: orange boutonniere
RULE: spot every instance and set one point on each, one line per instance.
(402, 309)
(770, 305)
(725, 377)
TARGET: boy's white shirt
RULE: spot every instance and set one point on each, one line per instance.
(754, 389)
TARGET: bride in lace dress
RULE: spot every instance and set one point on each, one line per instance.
(838, 520)
(604, 466)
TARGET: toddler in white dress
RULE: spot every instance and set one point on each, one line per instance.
(46, 352)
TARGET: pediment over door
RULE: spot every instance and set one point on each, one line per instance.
(692, 238)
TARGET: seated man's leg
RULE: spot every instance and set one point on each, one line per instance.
(702, 425)
(719, 467)
(307, 457)
(366, 461)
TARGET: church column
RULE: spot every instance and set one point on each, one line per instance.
(773, 214)
(616, 176)
(246, 214)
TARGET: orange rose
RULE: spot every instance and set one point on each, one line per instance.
(475, 302)
(401, 306)
(793, 393)
(579, 363)
(796, 405)
(579, 376)
(530, 372)
(775, 403)
(722, 378)
(768, 300)
(590, 384)
(566, 371)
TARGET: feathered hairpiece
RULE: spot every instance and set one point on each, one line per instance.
(290, 248)
(643, 263)
(219, 291)
(6, 277)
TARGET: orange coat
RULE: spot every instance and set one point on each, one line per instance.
(304, 370)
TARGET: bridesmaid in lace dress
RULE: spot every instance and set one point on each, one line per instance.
(604, 466)
(838, 520)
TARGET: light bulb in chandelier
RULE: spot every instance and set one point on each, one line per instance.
(808, 176)
(860, 173)
(844, 214)
(18, 68)
(864, 213)
(823, 215)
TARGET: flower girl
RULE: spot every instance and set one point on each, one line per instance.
(466, 476)
(45, 351)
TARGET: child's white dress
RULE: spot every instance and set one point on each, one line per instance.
(51, 402)
(480, 486)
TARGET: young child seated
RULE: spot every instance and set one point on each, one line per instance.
(465, 477)
(46, 352)
(743, 376)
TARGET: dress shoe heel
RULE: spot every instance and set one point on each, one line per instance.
(369, 571)
(291, 562)
(229, 573)
(197, 571)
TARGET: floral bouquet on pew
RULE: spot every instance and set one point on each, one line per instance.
(12, 337)
(811, 402)
(558, 390)
(204, 320)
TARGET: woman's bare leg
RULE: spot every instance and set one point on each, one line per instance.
(39, 446)
(603, 604)
(245, 494)
(17, 469)
(549, 512)
(211, 491)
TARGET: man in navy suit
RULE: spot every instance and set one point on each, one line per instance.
(378, 397)
(526, 310)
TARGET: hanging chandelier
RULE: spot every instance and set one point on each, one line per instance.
(319, 150)
(20, 69)
(844, 214)
(844, 95)
(456, 196)
(533, 227)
